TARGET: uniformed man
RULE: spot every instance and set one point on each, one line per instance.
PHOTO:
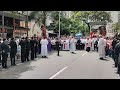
(5, 50)
(27, 47)
(36, 46)
(23, 50)
(113, 49)
(13, 51)
(32, 44)
(117, 60)
(57, 46)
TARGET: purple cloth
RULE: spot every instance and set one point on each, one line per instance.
(49, 45)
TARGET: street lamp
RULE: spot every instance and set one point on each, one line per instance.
(59, 23)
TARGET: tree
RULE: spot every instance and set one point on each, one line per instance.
(116, 27)
(92, 16)
(64, 23)
(39, 17)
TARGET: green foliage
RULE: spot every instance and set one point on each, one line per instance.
(116, 27)
(64, 23)
(92, 15)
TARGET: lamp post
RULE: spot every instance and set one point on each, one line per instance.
(59, 24)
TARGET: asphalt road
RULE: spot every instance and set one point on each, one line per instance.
(81, 65)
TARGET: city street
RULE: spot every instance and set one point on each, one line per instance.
(81, 65)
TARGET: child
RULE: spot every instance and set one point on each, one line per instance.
(18, 52)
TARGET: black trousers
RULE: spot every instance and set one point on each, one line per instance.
(0, 57)
(4, 60)
(39, 49)
(32, 53)
(88, 49)
(27, 55)
(22, 56)
(12, 58)
(58, 52)
(116, 60)
(118, 69)
(35, 52)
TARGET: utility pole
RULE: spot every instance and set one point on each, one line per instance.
(59, 24)
(2, 24)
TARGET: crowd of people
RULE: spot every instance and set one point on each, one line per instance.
(27, 49)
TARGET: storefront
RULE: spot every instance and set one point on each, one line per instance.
(20, 33)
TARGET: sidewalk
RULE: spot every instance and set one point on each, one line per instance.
(19, 60)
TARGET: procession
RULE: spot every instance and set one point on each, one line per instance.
(22, 48)
(63, 49)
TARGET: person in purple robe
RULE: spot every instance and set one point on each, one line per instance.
(49, 45)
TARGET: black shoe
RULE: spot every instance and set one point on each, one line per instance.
(6, 67)
(101, 58)
(118, 72)
(14, 64)
(42, 56)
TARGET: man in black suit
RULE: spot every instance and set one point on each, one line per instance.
(13, 51)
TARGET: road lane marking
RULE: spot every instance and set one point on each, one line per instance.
(84, 53)
(58, 73)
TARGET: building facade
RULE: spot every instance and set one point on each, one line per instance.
(12, 26)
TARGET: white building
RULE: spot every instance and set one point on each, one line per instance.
(115, 16)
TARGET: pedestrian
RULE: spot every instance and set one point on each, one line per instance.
(79, 44)
(0, 52)
(36, 46)
(27, 49)
(96, 45)
(13, 51)
(18, 51)
(113, 49)
(39, 45)
(72, 45)
(88, 45)
(117, 60)
(49, 45)
(32, 47)
(57, 46)
(44, 51)
(101, 48)
(5, 50)
(23, 50)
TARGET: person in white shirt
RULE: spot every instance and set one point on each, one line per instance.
(72, 45)
(67, 44)
(44, 51)
(101, 47)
